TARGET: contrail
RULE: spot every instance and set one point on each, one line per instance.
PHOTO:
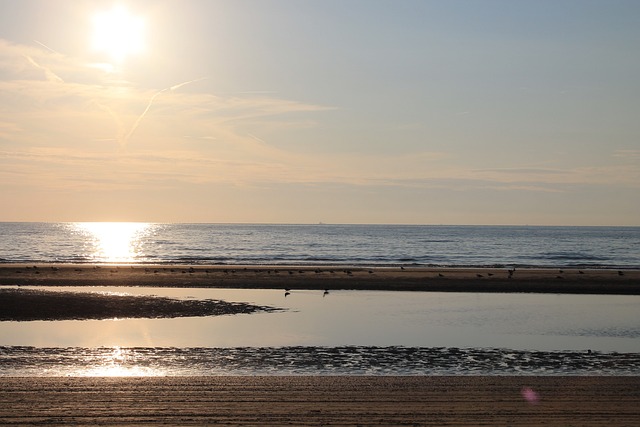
(47, 47)
(50, 75)
(155, 95)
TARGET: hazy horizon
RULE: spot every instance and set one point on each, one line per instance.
(418, 112)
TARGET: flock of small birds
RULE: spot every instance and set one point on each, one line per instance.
(191, 270)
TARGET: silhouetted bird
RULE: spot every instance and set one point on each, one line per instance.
(326, 292)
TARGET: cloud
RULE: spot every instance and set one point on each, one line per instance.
(68, 125)
(625, 175)
(627, 154)
(89, 105)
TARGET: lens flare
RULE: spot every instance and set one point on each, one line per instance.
(530, 395)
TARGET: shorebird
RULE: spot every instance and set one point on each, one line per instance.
(326, 292)
(287, 293)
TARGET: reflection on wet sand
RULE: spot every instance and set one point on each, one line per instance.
(351, 360)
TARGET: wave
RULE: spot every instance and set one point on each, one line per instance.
(367, 245)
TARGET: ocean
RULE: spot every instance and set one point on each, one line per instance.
(369, 245)
(345, 332)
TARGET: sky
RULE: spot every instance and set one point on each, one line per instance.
(336, 111)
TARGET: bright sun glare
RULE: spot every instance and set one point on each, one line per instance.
(119, 363)
(118, 33)
(114, 241)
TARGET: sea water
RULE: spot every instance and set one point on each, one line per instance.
(344, 332)
(420, 245)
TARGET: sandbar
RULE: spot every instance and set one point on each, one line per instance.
(498, 279)
(20, 304)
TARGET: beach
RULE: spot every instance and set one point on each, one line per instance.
(338, 400)
(538, 280)
(326, 401)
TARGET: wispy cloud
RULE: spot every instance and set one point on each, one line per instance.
(627, 154)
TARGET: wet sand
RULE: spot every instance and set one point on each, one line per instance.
(327, 401)
(19, 304)
(576, 281)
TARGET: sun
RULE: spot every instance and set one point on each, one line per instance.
(118, 33)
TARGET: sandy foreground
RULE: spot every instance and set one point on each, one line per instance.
(582, 281)
(327, 401)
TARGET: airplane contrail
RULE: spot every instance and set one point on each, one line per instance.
(155, 95)
(47, 47)
(50, 75)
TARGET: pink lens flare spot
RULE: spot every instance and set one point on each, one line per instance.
(530, 396)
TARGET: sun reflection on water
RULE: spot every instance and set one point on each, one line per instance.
(115, 241)
(119, 362)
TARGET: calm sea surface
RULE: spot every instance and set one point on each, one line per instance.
(617, 247)
(345, 332)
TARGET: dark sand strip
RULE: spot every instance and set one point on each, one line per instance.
(19, 304)
(327, 401)
(576, 281)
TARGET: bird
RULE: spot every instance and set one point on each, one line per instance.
(287, 293)
(620, 273)
(326, 292)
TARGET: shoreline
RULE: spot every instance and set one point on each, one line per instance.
(322, 400)
(428, 279)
